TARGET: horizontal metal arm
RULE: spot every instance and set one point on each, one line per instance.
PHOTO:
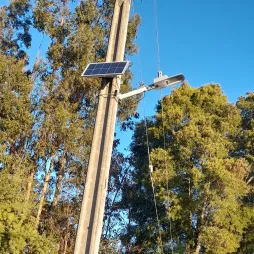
(135, 92)
(159, 83)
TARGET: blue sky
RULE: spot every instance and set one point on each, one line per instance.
(208, 41)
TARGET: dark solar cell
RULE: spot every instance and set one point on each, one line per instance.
(114, 64)
(103, 71)
(119, 70)
(91, 66)
(97, 67)
(106, 65)
(94, 72)
(87, 72)
(121, 65)
(111, 70)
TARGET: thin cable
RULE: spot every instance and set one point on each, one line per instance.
(38, 52)
(157, 36)
(160, 246)
(166, 167)
(151, 177)
(147, 140)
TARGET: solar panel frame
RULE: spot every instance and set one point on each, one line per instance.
(106, 69)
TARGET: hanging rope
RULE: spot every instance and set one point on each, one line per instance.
(147, 140)
(160, 247)
(163, 125)
(157, 36)
(38, 52)
(166, 168)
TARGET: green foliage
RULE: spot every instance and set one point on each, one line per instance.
(17, 232)
(200, 186)
(14, 26)
(48, 114)
(245, 148)
(246, 106)
(14, 102)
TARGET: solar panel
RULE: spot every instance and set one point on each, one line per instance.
(105, 69)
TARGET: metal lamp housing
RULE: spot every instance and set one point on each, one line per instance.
(164, 81)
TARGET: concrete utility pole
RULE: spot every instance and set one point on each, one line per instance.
(93, 203)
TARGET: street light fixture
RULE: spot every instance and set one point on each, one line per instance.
(158, 83)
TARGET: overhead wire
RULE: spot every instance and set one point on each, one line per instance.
(160, 245)
(157, 36)
(163, 125)
(38, 52)
(152, 181)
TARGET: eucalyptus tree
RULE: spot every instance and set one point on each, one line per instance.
(15, 23)
(199, 185)
(246, 149)
(67, 104)
(48, 111)
(17, 232)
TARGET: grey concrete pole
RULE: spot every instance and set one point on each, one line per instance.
(93, 203)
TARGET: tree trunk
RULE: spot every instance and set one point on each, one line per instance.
(29, 185)
(190, 236)
(44, 190)
(63, 245)
(114, 199)
(66, 237)
(201, 222)
(59, 180)
(197, 249)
